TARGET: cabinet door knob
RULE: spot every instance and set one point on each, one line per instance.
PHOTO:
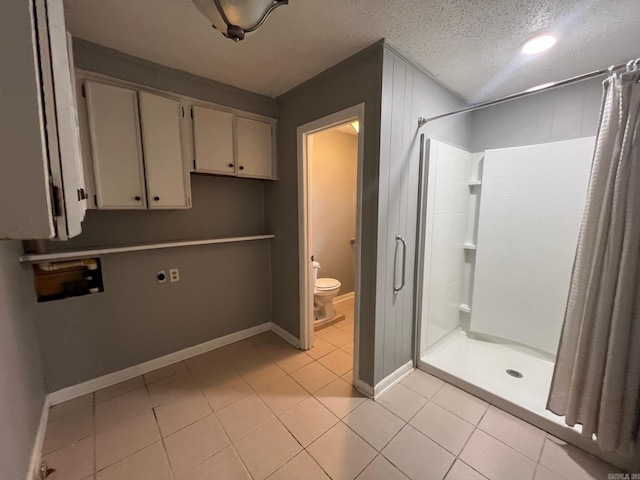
(241, 167)
(231, 165)
(137, 197)
(156, 198)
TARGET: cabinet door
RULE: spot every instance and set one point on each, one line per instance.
(254, 148)
(213, 141)
(167, 179)
(115, 146)
(65, 161)
(40, 189)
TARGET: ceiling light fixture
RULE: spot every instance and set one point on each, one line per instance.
(235, 18)
(356, 126)
(539, 44)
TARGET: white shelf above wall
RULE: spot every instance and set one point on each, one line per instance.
(469, 246)
(95, 252)
(474, 183)
(464, 308)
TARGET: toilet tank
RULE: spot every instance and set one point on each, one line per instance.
(316, 267)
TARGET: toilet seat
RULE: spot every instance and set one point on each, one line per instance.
(324, 284)
(324, 292)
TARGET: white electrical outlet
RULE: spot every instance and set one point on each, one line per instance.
(174, 275)
(161, 276)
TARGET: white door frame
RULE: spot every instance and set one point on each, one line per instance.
(304, 214)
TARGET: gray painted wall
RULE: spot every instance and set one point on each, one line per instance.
(356, 80)
(21, 386)
(222, 288)
(99, 59)
(222, 207)
(334, 161)
(391, 160)
(407, 93)
(563, 113)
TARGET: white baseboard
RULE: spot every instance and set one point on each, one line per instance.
(36, 453)
(282, 333)
(363, 388)
(392, 380)
(346, 296)
(385, 384)
(110, 379)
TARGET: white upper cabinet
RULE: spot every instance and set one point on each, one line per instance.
(137, 144)
(254, 148)
(227, 144)
(42, 192)
(115, 146)
(137, 149)
(167, 179)
(213, 141)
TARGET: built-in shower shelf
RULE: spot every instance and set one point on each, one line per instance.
(469, 246)
(464, 308)
(474, 183)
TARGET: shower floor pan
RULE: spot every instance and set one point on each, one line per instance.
(482, 367)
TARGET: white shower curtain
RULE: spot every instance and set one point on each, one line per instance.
(596, 382)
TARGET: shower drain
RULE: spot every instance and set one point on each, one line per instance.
(514, 373)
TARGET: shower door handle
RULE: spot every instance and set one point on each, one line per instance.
(400, 241)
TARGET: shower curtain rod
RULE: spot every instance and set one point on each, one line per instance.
(585, 76)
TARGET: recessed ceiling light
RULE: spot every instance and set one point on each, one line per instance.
(539, 44)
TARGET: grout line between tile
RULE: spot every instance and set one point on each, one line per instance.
(163, 378)
(164, 447)
(475, 427)
(454, 413)
(241, 459)
(437, 442)
(269, 357)
(96, 471)
(475, 470)
(502, 442)
(95, 434)
(316, 462)
(124, 458)
(368, 463)
(210, 456)
(542, 448)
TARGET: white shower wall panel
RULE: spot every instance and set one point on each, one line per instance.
(443, 314)
(532, 203)
(450, 169)
(447, 252)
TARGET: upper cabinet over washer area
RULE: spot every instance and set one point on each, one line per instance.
(229, 144)
(139, 144)
(137, 149)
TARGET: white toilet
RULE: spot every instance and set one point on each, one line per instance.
(325, 290)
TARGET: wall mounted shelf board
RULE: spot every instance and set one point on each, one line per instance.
(464, 308)
(94, 252)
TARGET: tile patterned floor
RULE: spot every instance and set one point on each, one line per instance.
(261, 409)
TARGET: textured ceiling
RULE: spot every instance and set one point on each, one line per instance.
(472, 46)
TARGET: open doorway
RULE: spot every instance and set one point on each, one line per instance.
(330, 203)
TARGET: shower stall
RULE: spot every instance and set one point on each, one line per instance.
(502, 195)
